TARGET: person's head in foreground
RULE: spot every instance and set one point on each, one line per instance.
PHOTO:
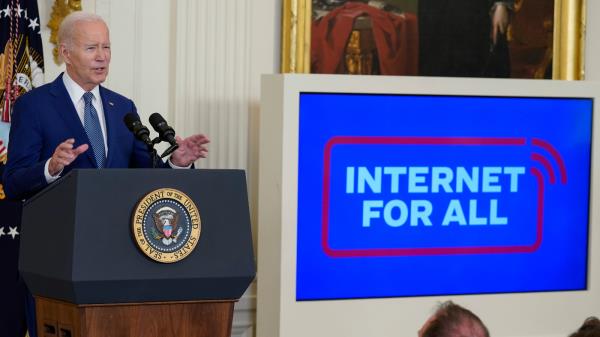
(589, 328)
(452, 320)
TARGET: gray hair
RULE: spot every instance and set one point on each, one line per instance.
(67, 26)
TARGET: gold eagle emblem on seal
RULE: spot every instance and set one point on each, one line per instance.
(166, 225)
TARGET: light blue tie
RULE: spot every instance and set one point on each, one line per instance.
(91, 123)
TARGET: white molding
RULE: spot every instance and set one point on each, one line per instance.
(245, 330)
(210, 91)
(100, 7)
(244, 316)
(138, 32)
(212, 77)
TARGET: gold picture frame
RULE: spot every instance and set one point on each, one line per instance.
(567, 52)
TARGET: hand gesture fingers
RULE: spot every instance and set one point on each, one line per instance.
(80, 149)
(63, 155)
(190, 149)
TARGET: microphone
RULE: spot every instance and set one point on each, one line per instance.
(139, 130)
(165, 132)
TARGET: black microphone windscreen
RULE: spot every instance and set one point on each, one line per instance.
(165, 132)
(130, 119)
(156, 119)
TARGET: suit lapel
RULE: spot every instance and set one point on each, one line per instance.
(64, 107)
(112, 119)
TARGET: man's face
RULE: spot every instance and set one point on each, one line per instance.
(88, 55)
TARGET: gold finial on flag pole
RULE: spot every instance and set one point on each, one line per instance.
(60, 9)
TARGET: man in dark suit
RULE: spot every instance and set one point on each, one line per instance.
(74, 122)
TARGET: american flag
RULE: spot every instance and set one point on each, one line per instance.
(21, 70)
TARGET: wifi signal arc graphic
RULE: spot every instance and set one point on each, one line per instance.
(546, 163)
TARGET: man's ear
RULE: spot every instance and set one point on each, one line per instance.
(63, 53)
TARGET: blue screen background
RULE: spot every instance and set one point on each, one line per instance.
(560, 263)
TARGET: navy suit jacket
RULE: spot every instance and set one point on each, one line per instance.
(45, 117)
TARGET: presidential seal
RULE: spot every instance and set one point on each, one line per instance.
(166, 225)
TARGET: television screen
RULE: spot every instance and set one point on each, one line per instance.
(420, 195)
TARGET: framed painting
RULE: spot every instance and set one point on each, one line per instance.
(486, 38)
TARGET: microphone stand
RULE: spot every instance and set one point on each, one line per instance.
(170, 150)
(153, 152)
(155, 158)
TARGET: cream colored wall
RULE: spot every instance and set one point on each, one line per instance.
(592, 48)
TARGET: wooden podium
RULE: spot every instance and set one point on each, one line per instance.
(80, 259)
(197, 319)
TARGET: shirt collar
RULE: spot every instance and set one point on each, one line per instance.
(76, 92)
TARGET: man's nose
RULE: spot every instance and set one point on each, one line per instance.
(101, 55)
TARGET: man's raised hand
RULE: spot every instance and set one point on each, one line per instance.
(64, 155)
